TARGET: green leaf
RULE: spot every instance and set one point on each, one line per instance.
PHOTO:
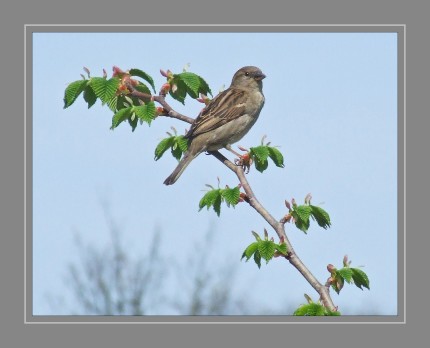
(257, 258)
(176, 150)
(231, 196)
(182, 142)
(320, 216)
(209, 198)
(146, 112)
(250, 250)
(330, 313)
(260, 154)
(266, 249)
(89, 96)
(141, 87)
(204, 87)
(337, 285)
(276, 156)
(303, 211)
(217, 205)
(346, 274)
(163, 146)
(257, 237)
(143, 75)
(103, 88)
(311, 309)
(132, 120)
(192, 82)
(282, 248)
(72, 92)
(121, 116)
(301, 216)
(360, 278)
(181, 91)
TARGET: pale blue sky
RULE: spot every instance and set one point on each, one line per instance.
(331, 106)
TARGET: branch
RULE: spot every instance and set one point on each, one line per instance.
(280, 230)
(278, 226)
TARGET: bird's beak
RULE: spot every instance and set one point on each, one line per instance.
(259, 76)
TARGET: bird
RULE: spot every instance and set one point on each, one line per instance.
(225, 119)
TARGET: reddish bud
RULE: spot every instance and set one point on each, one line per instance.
(166, 87)
(162, 72)
(308, 198)
(159, 110)
(331, 268)
(117, 71)
(87, 71)
(282, 240)
(345, 261)
(288, 205)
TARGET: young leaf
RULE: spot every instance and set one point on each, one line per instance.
(217, 205)
(143, 75)
(260, 155)
(192, 82)
(163, 146)
(204, 87)
(176, 150)
(304, 212)
(231, 196)
(146, 112)
(182, 143)
(181, 90)
(257, 258)
(346, 273)
(282, 248)
(72, 92)
(209, 198)
(360, 278)
(103, 88)
(320, 216)
(121, 116)
(89, 96)
(266, 249)
(250, 250)
(132, 120)
(141, 87)
(276, 156)
(311, 309)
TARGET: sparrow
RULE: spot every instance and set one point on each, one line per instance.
(226, 119)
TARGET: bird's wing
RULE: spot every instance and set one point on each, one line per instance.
(225, 107)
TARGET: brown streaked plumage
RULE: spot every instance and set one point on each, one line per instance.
(226, 119)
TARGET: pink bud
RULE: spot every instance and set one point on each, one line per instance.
(345, 261)
(287, 204)
(308, 198)
(330, 268)
(162, 72)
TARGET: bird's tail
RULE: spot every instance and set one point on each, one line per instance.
(185, 161)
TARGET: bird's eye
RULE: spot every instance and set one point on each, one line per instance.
(247, 74)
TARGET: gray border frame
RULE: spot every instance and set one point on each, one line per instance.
(400, 29)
